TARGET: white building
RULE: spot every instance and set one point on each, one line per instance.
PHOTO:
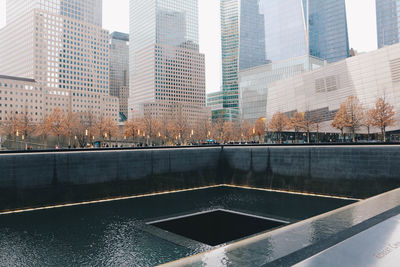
(320, 93)
(254, 83)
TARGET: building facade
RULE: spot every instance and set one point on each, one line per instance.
(119, 70)
(319, 93)
(317, 28)
(21, 96)
(254, 83)
(60, 45)
(243, 46)
(167, 71)
(387, 22)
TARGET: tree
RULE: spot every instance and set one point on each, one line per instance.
(350, 115)
(228, 131)
(110, 128)
(339, 121)
(70, 126)
(218, 130)
(150, 127)
(355, 114)
(382, 116)
(278, 124)
(132, 128)
(41, 131)
(202, 129)
(99, 127)
(297, 123)
(54, 123)
(85, 127)
(246, 130)
(259, 128)
(369, 121)
(25, 125)
(9, 126)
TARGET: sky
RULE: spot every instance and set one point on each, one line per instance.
(361, 20)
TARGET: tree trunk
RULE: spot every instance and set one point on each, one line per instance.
(384, 134)
(308, 137)
(369, 134)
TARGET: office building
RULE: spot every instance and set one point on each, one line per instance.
(167, 71)
(254, 83)
(119, 70)
(243, 46)
(21, 96)
(387, 22)
(319, 93)
(60, 45)
(317, 28)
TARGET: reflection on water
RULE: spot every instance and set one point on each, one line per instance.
(112, 234)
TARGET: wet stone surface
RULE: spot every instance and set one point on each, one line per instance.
(118, 233)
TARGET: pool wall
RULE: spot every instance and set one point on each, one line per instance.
(35, 179)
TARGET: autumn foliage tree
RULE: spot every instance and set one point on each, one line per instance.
(54, 123)
(132, 128)
(70, 126)
(339, 121)
(279, 123)
(355, 114)
(246, 129)
(350, 115)
(382, 116)
(297, 123)
(111, 129)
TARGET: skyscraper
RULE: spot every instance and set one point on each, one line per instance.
(61, 45)
(243, 46)
(317, 28)
(167, 72)
(387, 22)
(119, 70)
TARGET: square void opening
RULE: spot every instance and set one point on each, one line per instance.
(218, 226)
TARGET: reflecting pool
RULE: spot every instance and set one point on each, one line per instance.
(119, 233)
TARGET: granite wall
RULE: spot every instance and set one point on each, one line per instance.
(32, 179)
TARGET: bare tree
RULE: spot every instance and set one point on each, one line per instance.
(228, 131)
(218, 130)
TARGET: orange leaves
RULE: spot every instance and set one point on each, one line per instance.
(278, 123)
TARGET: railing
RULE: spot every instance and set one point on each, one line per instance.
(63, 150)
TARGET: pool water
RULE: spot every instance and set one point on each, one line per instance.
(121, 233)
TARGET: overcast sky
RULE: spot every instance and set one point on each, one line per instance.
(360, 13)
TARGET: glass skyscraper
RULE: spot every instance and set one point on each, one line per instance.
(387, 22)
(299, 27)
(243, 46)
(167, 72)
(119, 70)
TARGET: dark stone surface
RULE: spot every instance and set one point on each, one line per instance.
(294, 243)
(35, 179)
(217, 227)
